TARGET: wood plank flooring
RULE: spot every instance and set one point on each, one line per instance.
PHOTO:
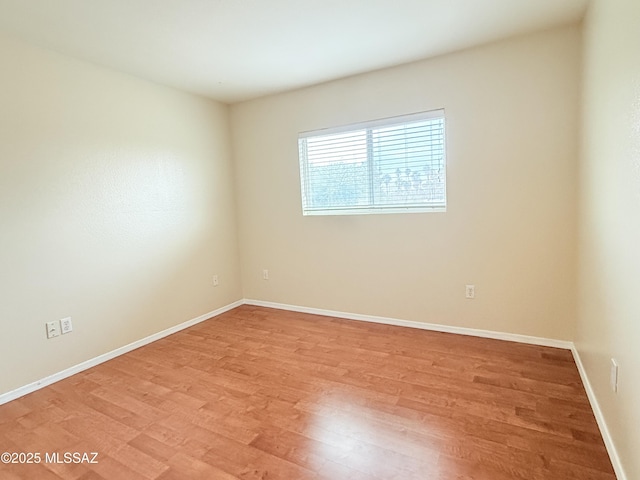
(265, 394)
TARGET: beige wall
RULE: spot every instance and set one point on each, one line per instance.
(116, 208)
(609, 238)
(512, 114)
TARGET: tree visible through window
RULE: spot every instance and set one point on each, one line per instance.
(383, 166)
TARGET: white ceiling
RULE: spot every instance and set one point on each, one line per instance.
(233, 50)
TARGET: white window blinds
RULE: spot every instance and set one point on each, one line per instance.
(383, 166)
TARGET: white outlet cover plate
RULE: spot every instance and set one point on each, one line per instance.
(470, 291)
(66, 326)
(613, 379)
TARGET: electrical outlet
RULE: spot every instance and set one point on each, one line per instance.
(265, 274)
(53, 329)
(216, 282)
(470, 291)
(613, 378)
(66, 326)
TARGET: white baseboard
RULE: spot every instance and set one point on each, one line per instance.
(37, 385)
(602, 424)
(512, 337)
(32, 387)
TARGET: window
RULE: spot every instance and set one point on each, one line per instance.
(392, 165)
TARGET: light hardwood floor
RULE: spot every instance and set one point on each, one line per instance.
(259, 393)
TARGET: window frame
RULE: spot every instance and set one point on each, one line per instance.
(372, 209)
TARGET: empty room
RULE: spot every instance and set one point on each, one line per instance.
(311, 239)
